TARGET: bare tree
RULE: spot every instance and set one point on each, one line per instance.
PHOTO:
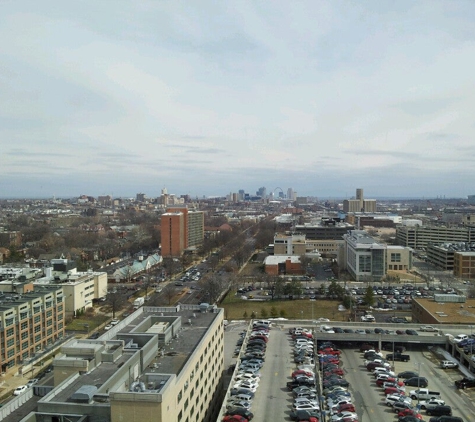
(115, 300)
(211, 288)
(276, 286)
(213, 262)
(305, 262)
(169, 292)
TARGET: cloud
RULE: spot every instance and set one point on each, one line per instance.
(223, 96)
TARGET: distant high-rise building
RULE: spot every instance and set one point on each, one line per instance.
(359, 204)
(471, 199)
(105, 200)
(164, 191)
(290, 194)
(172, 234)
(261, 192)
(241, 194)
(181, 229)
(140, 197)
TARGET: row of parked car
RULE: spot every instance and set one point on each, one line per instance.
(247, 378)
(305, 404)
(401, 400)
(338, 401)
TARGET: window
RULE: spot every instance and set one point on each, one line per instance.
(9, 332)
(24, 325)
(24, 335)
(49, 323)
(23, 315)
(10, 342)
(180, 395)
(37, 328)
(49, 332)
(24, 345)
(9, 322)
(37, 319)
(10, 353)
(60, 326)
(38, 338)
(395, 257)
(49, 313)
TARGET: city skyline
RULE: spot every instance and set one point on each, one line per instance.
(210, 98)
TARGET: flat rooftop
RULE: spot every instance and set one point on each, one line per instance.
(450, 312)
(169, 359)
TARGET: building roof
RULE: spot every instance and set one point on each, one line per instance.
(280, 259)
(449, 312)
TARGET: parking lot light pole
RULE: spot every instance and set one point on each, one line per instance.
(418, 364)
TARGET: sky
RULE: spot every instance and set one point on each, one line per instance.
(119, 97)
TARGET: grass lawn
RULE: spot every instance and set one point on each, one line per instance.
(235, 307)
(78, 324)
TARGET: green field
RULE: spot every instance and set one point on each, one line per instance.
(236, 308)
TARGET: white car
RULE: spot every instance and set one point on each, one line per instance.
(339, 416)
(303, 400)
(460, 337)
(393, 398)
(378, 371)
(247, 376)
(249, 387)
(338, 402)
(19, 390)
(307, 406)
(108, 327)
(32, 382)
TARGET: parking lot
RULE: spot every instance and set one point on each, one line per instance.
(273, 402)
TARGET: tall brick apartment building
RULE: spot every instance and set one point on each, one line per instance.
(181, 229)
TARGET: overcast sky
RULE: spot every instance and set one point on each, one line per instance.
(209, 97)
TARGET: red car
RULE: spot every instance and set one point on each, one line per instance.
(300, 372)
(393, 390)
(410, 412)
(347, 407)
(329, 352)
(234, 418)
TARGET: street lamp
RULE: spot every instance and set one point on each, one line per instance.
(418, 364)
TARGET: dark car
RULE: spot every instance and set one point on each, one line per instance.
(417, 382)
(236, 391)
(440, 411)
(340, 382)
(408, 418)
(95, 335)
(412, 333)
(398, 357)
(446, 419)
(303, 415)
(465, 383)
(407, 374)
(241, 412)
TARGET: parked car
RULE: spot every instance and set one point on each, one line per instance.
(32, 382)
(448, 364)
(417, 382)
(407, 374)
(19, 390)
(465, 383)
